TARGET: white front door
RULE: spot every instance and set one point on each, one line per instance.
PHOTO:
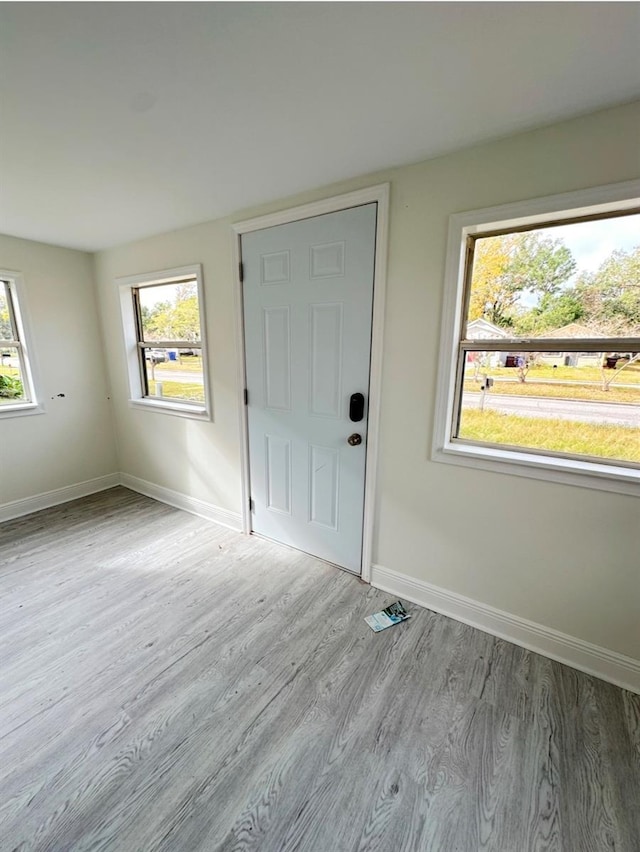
(308, 296)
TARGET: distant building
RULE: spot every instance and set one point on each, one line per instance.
(572, 359)
(482, 329)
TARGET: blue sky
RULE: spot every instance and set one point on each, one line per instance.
(592, 242)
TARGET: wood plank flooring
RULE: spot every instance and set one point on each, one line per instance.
(171, 685)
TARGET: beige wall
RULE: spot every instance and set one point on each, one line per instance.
(563, 556)
(200, 459)
(73, 440)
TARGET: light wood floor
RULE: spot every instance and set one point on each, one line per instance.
(170, 685)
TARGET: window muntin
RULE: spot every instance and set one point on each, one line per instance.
(538, 326)
(170, 312)
(168, 315)
(551, 411)
(16, 385)
(173, 374)
(607, 347)
(555, 268)
(162, 316)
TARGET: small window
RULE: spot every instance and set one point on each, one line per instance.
(17, 393)
(163, 323)
(545, 351)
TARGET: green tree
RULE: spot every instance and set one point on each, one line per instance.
(5, 325)
(177, 320)
(186, 290)
(494, 292)
(554, 311)
(541, 264)
(507, 266)
(186, 319)
(611, 295)
(157, 321)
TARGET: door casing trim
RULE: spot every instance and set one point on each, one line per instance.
(375, 194)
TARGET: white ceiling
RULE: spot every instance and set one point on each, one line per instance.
(121, 120)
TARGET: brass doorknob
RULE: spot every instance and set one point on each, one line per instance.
(354, 439)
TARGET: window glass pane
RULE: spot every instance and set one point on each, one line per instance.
(174, 374)
(12, 386)
(578, 280)
(170, 312)
(577, 403)
(6, 332)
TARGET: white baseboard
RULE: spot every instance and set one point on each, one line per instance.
(592, 659)
(17, 508)
(232, 520)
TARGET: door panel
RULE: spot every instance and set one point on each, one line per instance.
(323, 486)
(277, 357)
(308, 295)
(278, 473)
(325, 359)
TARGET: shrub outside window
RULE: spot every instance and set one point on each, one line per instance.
(540, 363)
(17, 395)
(164, 333)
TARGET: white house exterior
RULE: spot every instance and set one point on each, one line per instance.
(572, 359)
(482, 329)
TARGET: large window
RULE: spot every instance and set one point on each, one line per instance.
(163, 323)
(541, 345)
(17, 393)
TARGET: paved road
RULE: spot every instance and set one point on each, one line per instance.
(178, 376)
(620, 414)
(616, 384)
(529, 406)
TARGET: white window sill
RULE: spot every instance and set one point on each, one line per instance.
(194, 412)
(21, 409)
(585, 474)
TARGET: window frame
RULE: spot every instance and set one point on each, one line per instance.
(135, 345)
(22, 342)
(608, 475)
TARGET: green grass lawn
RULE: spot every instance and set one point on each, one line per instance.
(630, 374)
(559, 390)
(564, 436)
(190, 391)
(187, 364)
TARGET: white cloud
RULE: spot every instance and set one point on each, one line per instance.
(591, 243)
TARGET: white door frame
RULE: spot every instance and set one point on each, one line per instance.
(380, 195)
